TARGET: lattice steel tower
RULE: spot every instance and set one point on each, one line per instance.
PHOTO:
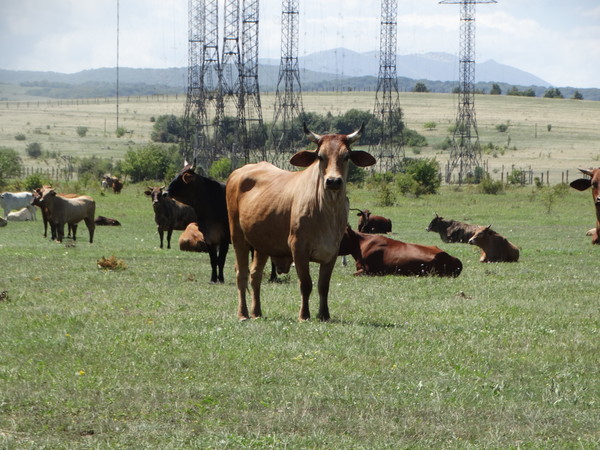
(387, 109)
(228, 102)
(254, 134)
(288, 97)
(201, 108)
(465, 154)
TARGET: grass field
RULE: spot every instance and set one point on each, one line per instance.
(152, 356)
(574, 139)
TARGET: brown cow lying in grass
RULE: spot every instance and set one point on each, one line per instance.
(369, 223)
(192, 239)
(380, 255)
(494, 247)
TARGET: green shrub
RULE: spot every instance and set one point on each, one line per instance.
(405, 183)
(10, 164)
(385, 195)
(425, 172)
(120, 132)
(152, 162)
(220, 169)
(34, 150)
(82, 131)
(20, 137)
(94, 167)
(488, 186)
(34, 181)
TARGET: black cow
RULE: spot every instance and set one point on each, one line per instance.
(169, 214)
(452, 231)
(207, 197)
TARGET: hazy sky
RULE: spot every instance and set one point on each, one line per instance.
(556, 40)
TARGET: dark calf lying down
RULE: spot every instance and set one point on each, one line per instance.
(380, 255)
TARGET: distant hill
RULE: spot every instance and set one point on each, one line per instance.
(337, 69)
(426, 66)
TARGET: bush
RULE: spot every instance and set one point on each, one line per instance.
(168, 128)
(152, 162)
(385, 195)
(34, 150)
(425, 172)
(10, 164)
(488, 186)
(502, 127)
(94, 167)
(220, 169)
(82, 131)
(120, 132)
(34, 181)
(20, 137)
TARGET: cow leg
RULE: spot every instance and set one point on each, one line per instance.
(160, 235)
(169, 233)
(303, 271)
(256, 274)
(91, 226)
(325, 271)
(214, 263)
(223, 249)
(74, 231)
(241, 272)
(60, 231)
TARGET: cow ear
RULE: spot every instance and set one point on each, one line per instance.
(187, 177)
(303, 158)
(581, 184)
(362, 159)
(148, 193)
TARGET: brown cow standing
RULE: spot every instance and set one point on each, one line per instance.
(37, 199)
(380, 255)
(192, 239)
(452, 231)
(369, 223)
(494, 247)
(112, 182)
(581, 184)
(292, 216)
(69, 210)
(169, 214)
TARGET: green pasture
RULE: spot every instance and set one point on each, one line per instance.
(550, 136)
(153, 356)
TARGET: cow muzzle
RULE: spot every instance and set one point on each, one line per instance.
(334, 183)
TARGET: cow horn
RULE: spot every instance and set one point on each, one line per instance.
(355, 136)
(314, 137)
(587, 172)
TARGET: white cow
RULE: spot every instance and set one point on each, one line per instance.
(22, 215)
(10, 201)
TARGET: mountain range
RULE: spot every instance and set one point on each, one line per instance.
(335, 69)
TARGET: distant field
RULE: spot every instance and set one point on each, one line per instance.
(574, 139)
